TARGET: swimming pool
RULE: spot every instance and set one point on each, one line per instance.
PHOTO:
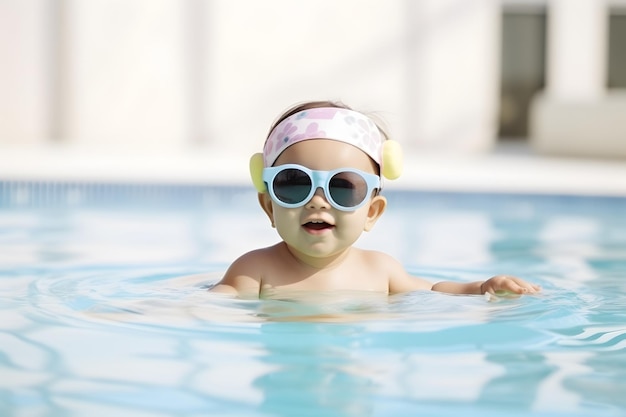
(103, 309)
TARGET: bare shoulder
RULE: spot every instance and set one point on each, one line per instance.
(376, 259)
(399, 279)
(243, 276)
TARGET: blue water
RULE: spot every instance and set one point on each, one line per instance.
(103, 309)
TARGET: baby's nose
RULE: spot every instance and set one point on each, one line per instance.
(318, 200)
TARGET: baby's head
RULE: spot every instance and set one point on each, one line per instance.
(319, 175)
(323, 121)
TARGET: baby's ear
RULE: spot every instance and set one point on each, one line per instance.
(256, 172)
(376, 209)
(266, 204)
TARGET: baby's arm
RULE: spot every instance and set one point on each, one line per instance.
(400, 281)
(499, 283)
(241, 278)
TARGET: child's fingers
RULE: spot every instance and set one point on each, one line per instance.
(527, 287)
(511, 285)
(505, 284)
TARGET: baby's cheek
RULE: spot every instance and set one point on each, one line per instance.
(352, 228)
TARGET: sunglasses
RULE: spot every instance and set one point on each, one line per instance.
(345, 189)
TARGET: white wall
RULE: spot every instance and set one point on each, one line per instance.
(170, 74)
(124, 73)
(577, 46)
(456, 75)
(25, 73)
(264, 56)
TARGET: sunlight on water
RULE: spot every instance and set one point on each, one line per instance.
(105, 311)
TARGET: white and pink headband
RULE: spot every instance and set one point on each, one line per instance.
(328, 123)
(325, 123)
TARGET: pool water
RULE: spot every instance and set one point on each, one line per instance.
(104, 309)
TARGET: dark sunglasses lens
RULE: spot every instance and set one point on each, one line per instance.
(348, 189)
(292, 186)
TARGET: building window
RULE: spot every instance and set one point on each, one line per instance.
(523, 66)
(616, 77)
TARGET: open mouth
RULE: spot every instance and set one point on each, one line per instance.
(317, 225)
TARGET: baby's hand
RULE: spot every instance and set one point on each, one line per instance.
(508, 284)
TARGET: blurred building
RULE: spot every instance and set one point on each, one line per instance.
(446, 75)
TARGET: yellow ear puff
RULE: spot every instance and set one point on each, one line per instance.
(256, 172)
(393, 161)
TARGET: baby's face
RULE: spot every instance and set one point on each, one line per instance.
(317, 229)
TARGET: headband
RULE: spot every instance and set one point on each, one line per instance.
(325, 123)
(333, 123)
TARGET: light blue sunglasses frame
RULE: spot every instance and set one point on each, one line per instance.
(319, 179)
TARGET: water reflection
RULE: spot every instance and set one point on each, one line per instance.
(316, 371)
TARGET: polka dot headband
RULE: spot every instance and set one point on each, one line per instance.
(325, 123)
(333, 123)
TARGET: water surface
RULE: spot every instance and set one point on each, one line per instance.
(104, 310)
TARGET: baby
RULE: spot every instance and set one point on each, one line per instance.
(319, 182)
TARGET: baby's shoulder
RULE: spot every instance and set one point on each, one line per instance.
(399, 280)
(378, 259)
(256, 259)
(244, 275)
